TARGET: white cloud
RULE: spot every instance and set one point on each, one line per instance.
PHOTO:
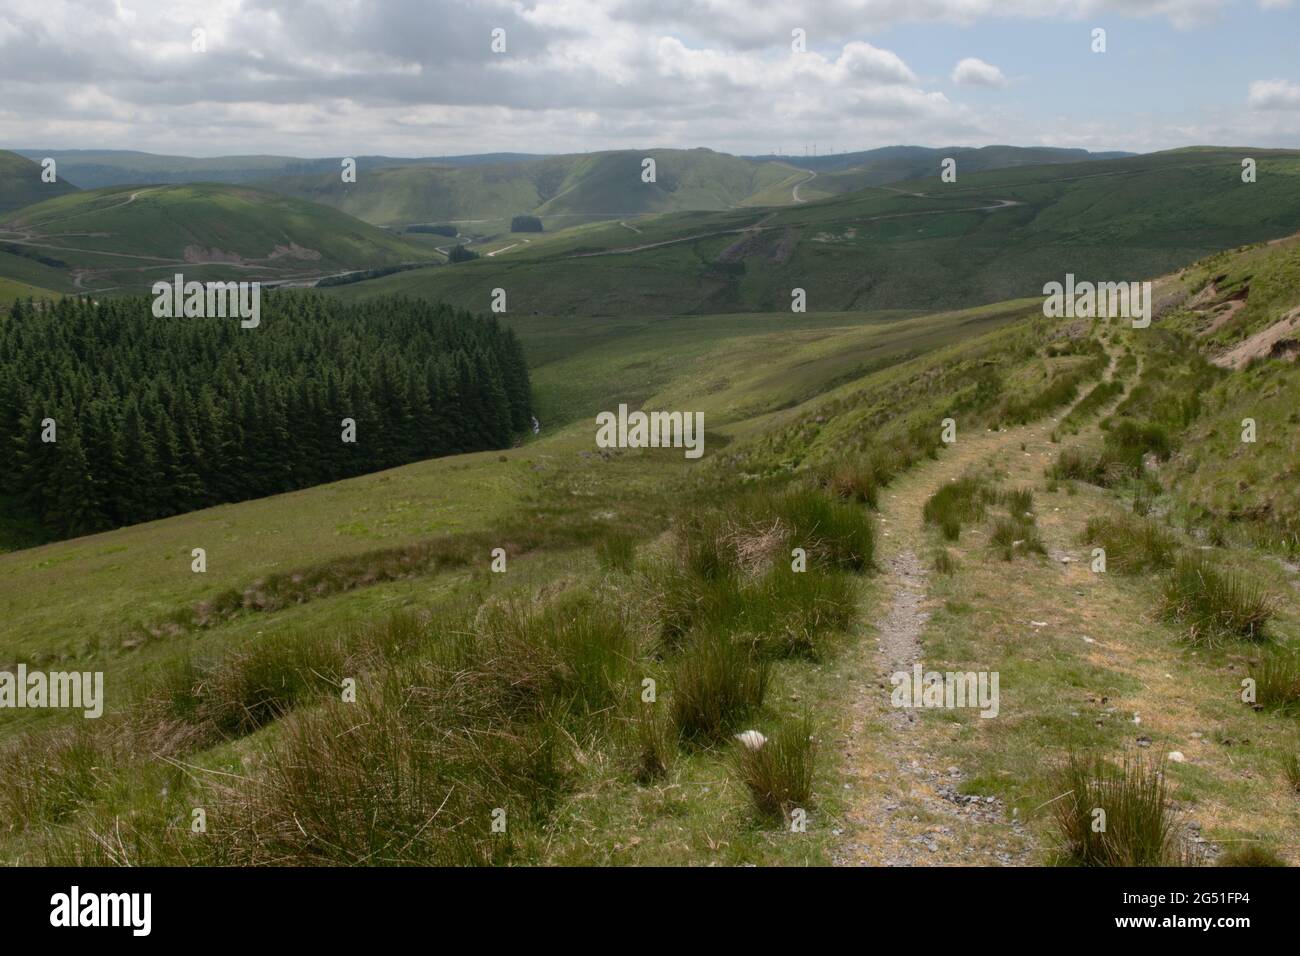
(1274, 95)
(415, 77)
(972, 71)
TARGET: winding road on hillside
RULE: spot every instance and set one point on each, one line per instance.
(812, 174)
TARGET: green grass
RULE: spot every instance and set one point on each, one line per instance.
(21, 185)
(523, 691)
(616, 551)
(779, 774)
(129, 243)
(1250, 855)
(1133, 545)
(1015, 535)
(11, 290)
(556, 188)
(717, 682)
(878, 249)
(957, 504)
(943, 562)
(1277, 681)
(1212, 604)
(1140, 825)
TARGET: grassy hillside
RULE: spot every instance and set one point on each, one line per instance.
(1242, 309)
(827, 422)
(11, 290)
(558, 188)
(96, 168)
(850, 172)
(919, 160)
(21, 185)
(925, 244)
(127, 237)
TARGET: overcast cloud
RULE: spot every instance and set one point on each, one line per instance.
(418, 77)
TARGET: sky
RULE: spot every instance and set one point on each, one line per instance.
(421, 77)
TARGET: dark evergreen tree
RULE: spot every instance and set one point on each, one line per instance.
(161, 416)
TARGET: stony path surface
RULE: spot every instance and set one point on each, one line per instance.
(905, 808)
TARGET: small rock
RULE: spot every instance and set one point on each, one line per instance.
(1176, 756)
(1144, 741)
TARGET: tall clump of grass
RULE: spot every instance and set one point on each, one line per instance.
(50, 773)
(655, 744)
(792, 614)
(1018, 501)
(253, 686)
(957, 503)
(943, 562)
(1133, 545)
(1291, 771)
(717, 681)
(571, 655)
(1277, 681)
(414, 773)
(1074, 464)
(1016, 534)
(1137, 825)
(779, 773)
(616, 552)
(733, 574)
(1212, 604)
(854, 481)
(840, 534)
(1252, 855)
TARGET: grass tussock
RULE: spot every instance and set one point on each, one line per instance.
(616, 552)
(839, 534)
(1291, 771)
(943, 562)
(655, 743)
(1250, 854)
(1212, 604)
(1098, 398)
(50, 773)
(738, 572)
(716, 682)
(957, 503)
(1139, 826)
(250, 687)
(1014, 535)
(779, 774)
(1133, 544)
(855, 481)
(573, 654)
(452, 753)
(1277, 681)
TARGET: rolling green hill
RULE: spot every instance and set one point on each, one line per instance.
(920, 245)
(96, 168)
(20, 183)
(561, 188)
(127, 237)
(847, 172)
(832, 420)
